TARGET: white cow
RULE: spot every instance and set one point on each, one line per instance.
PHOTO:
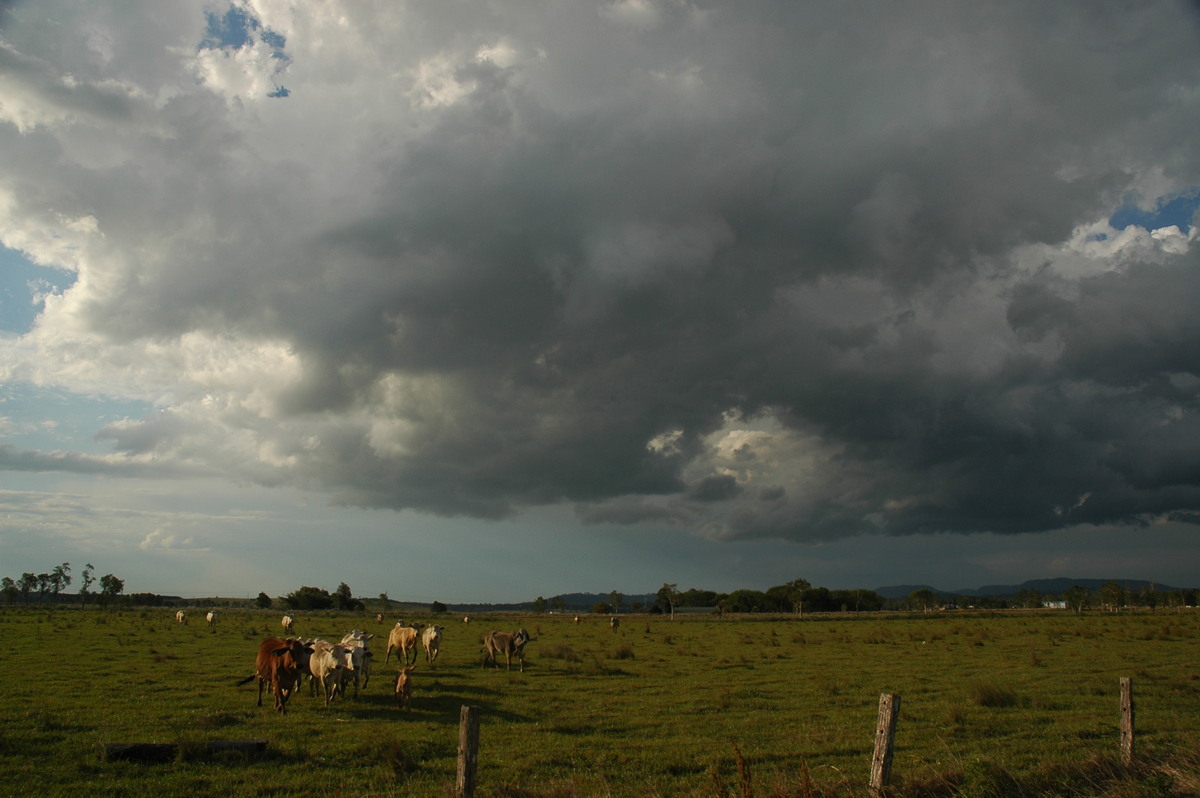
(211, 618)
(181, 617)
(288, 623)
(356, 642)
(330, 665)
(615, 623)
(431, 640)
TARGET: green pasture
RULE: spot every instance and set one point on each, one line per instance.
(690, 706)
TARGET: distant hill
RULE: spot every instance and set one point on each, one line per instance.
(1056, 586)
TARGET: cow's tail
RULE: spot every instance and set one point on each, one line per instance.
(247, 680)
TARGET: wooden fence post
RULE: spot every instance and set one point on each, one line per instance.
(468, 751)
(885, 737)
(1126, 720)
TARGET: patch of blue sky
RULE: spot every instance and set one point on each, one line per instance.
(41, 418)
(24, 287)
(237, 28)
(1175, 209)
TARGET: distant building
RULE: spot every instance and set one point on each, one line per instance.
(1057, 604)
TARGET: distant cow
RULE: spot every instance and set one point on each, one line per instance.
(356, 642)
(379, 617)
(278, 664)
(466, 619)
(615, 623)
(288, 623)
(181, 617)
(211, 618)
(404, 687)
(403, 639)
(509, 645)
(431, 640)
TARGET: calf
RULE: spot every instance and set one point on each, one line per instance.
(509, 645)
(278, 664)
(403, 639)
(404, 687)
(431, 640)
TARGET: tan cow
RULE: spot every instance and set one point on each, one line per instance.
(181, 617)
(431, 641)
(211, 618)
(288, 623)
(330, 666)
(404, 687)
(278, 664)
(509, 645)
(403, 639)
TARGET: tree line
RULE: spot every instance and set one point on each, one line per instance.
(50, 586)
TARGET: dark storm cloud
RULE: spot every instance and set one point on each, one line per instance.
(758, 270)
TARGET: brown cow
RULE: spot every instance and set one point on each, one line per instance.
(404, 687)
(507, 644)
(403, 639)
(278, 664)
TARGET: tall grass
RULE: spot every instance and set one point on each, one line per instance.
(689, 707)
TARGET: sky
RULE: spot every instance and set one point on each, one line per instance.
(478, 302)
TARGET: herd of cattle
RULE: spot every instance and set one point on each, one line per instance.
(283, 662)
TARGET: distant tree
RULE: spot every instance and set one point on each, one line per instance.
(797, 589)
(308, 598)
(668, 596)
(747, 601)
(558, 603)
(385, 602)
(43, 585)
(26, 584)
(437, 607)
(698, 598)
(9, 589)
(1029, 598)
(539, 605)
(616, 600)
(87, 579)
(1076, 597)
(343, 599)
(923, 599)
(60, 577)
(602, 608)
(263, 601)
(1112, 596)
(110, 588)
(635, 606)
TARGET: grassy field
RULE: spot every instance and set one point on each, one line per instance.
(996, 704)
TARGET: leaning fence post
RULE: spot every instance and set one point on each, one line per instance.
(885, 736)
(1126, 720)
(468, 751)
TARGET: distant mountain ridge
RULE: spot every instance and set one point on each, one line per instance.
(1057, 586)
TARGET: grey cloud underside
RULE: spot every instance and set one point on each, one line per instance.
(586, 259)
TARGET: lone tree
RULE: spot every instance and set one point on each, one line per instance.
(308, 598)
(668, 594)
(110, 588)
(263, 601)
(87, 579)
(343, 599)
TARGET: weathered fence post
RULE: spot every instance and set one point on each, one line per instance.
(1126, 720)
(885, 736)
(468, 751)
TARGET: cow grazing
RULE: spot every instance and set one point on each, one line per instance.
(331, 666)
(181, 617)
(431, 640)
(211, 618)
(466, 619)
(615, 623)
(509, 645)
(288, 623)
(356, 642)
(403, 639)
(404, 687)
(278, 664)
(379, 617)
